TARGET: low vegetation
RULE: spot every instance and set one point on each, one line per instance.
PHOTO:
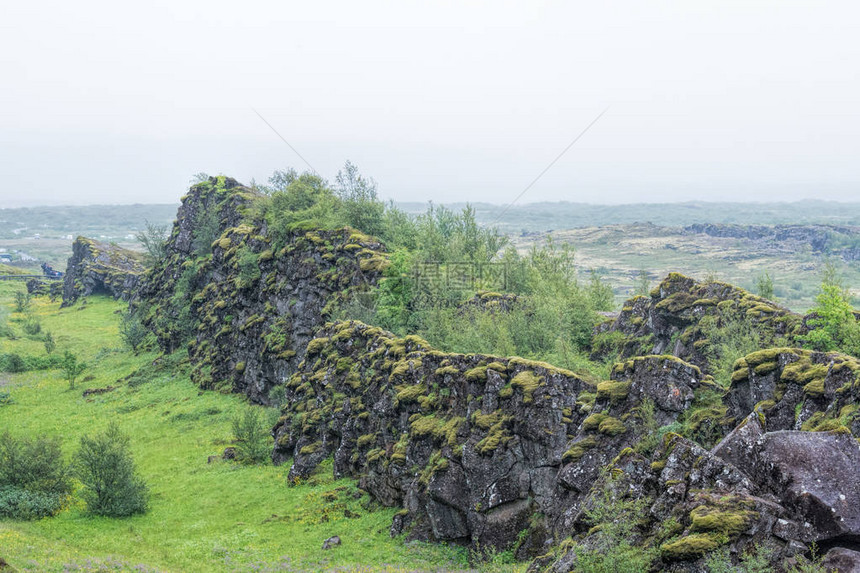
(218, 516)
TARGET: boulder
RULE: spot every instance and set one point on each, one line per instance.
(101, 268)
(841, 560)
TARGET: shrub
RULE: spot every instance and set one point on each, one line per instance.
(764, 286)
(251, 435)
(111, 485)
(34, 479)
(32, 326)
(50, 343)
(12, 362)
(249, 267)
(72, 368)
(154, 240)
(22, 301)
(132, 331)
(615, 520)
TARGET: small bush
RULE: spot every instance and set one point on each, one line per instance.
(32, 326)
(249, 267)
(22, 301)
(251, 435)
(12, 362)
(105, 467)
(50, 343)
(132, 331)
(34, 479)
(72, 368)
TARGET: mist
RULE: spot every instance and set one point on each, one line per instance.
(725, 101)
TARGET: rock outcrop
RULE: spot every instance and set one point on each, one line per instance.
(37, 287)
(670, 320)
(101, 268)
(250, 301)
(483, 450)
(797, 389)
(512, 454)
(468, 445)
(820, 239)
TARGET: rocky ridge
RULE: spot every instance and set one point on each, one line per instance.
(100, 268)
(508, 453)
(250, 301)
(670, 320)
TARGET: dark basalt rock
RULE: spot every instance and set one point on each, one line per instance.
(667, 322)
(476, 449)
(468, 445)
(37, 287)
(813, 474)
(506, 453)
(100, 268)
(797, 389)
(842, 560)
(252, 301)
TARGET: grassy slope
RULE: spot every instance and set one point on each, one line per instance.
(204, 517)
(7, 270)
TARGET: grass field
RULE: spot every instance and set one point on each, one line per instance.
(618, 253)
(204, 517)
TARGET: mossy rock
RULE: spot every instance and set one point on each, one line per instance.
(690, 546)
(447, 371)
(611, 426)
(579, 449)
(740, 375)
(592, 422)
(528, 382)
(766, 355)
(477, 374)
(804, 371)
(614, 391)
(765, 368)
(729, 522)
(411, 393)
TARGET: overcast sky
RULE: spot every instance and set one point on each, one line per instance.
(108, 102)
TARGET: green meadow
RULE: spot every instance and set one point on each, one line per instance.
(218, 516)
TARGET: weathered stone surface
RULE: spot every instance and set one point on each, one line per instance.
(667, 322)
(797, 389)
(251, 321)
(100, 268)
(841, 560)
(814, 474)
(507, 453)
(37, 287)
(468, 445)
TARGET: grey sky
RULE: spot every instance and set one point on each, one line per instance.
(106, 102)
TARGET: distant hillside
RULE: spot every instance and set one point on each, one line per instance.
(88, 220)
(530, 217)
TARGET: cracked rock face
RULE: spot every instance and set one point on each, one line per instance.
(100, 268)
(668, 321)
(509, 453)
(252, 301)
(813, 474)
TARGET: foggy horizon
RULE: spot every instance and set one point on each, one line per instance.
(711, 101)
